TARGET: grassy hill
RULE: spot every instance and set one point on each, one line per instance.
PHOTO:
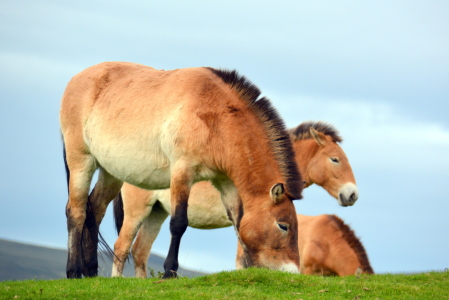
(22, 261)
(242, 284)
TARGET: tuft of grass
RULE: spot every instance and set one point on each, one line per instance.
(242, 284)
(154, 275)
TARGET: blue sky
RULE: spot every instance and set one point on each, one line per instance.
(377, 70)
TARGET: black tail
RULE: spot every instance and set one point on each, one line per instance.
(67, 171)
(90, 223)
(119, 214)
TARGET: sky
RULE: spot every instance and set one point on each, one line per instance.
(377, 70)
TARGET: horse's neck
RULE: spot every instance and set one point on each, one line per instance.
(249, 162)
(305, 151)
(253, 179)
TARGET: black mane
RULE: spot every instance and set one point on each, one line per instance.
(354, 243)
(302, 132)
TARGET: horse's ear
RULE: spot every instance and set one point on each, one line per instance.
(318, 136)
(277, 192)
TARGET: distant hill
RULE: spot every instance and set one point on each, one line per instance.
(22, 261)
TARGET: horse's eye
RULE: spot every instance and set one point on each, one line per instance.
(283, 226)
(335, 160)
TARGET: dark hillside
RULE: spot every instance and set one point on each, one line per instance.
(22, 261)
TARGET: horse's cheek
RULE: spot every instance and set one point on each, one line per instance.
(277, 243)
(251, 234)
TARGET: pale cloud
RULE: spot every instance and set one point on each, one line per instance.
(376, 134)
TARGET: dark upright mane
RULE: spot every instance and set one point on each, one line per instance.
(302, 132)
(354, 243)
(274, 127)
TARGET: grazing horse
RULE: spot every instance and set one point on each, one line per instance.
(157, 129)
(318, 155)
(327, 246)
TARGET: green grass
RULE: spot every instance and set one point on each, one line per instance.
(244, 284)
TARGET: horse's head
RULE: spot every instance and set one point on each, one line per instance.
(269, 233)
(327, 165)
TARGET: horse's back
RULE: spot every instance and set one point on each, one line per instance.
(114, 88)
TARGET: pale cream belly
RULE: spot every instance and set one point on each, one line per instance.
(146, 166)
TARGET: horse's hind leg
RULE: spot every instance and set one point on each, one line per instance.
(105, 190)
(145, 238)
(135, 211)
(81, 168)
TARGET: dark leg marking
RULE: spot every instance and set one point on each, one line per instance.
(178, 225)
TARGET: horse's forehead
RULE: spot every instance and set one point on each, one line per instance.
(284, 210)
(334, 148)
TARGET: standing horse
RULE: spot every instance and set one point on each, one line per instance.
(327, 246)
(318, 155)
(158, 129)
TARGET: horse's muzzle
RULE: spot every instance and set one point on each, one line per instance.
(348, 195)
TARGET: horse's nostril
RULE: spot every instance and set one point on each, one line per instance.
(353, 197)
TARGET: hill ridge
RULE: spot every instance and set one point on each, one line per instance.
(20, 261)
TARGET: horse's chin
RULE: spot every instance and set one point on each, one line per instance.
(287, 267)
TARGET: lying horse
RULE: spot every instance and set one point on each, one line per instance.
(320, 159)
(327, 246)
(158, 129)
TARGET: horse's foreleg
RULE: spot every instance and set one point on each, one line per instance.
(179, 192)
(145, 238)
(105, 190)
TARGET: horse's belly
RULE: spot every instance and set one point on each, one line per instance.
(146, 168)
(208, 219)
(205, 209)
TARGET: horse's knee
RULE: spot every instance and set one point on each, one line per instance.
(178, 225)
(179, 220)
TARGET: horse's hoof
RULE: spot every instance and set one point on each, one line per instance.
(73, 275)
(169, 274)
